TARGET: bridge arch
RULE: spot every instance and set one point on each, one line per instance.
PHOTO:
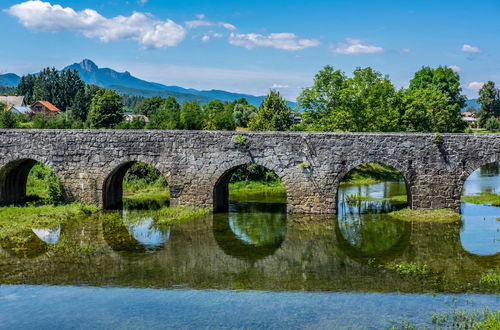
(404, 171)
(220, 194)
(14, 177)
(112, 186)
(470, 166)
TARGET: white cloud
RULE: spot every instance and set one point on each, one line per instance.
(470, 49)
(201, 21)
(147, 31)
(475, 85)
(143, 2)
(455, 68)
(285, 41)
(405, 51)
(205, 38)
(355, 47)
(279, 86)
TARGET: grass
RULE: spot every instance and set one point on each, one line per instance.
(491, 279)
(394, 199)
(147, 195)
(371, 173)
(254, 191)
(459, 319)
(408, 268)
(439, 215)
(483, 198)
(14, 219)
(179, 214)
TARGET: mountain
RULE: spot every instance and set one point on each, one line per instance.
(9, 80)
(125, 83)
(472, 103)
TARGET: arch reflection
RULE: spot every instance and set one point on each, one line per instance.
(134, 231)
(24, 244)
(372, 235)
(251, 231)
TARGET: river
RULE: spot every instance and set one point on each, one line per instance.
(254, 267)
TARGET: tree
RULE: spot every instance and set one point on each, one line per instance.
(105, 110)
(273, 115)
(8, 120)
(366, 102)
(191, 116)
(492, 124)
(168, 116)
(447, 82)
(217, 116)
(243, 113)
(149, 106)
(25, 88)
(427, 110)
(489, 98)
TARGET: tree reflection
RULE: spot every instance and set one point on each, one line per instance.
(251, 231)
(372, 235)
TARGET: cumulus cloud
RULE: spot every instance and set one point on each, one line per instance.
(147, 31)
(285, 41)
(279, 86)
(475, 85)
(455, 68)
(355, 47)
(470, 49)
(201, 21)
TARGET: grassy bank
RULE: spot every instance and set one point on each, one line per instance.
(180, 214)
(483, 198)
(460, 319)
(440, 215)
(394, 199)
(14, 219)
(370, 173)
(255, 191)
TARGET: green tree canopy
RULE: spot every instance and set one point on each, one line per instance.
(427, 110)
(365, 102)
(274, 114)
(168, 116)
(217, 116)
(105, 109)
(191, 116)
(149, 106)
(489, 98)
(243, 113)
(443, 79)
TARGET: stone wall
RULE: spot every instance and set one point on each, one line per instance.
(195, 162)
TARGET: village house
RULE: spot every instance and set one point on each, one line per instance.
(44, 107)
(131, 116)
(20, 110)
(12, 101)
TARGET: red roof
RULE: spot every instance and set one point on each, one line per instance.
(49, 106)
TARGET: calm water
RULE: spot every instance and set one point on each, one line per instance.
(254, 267)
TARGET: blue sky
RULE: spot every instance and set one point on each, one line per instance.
(252, 46)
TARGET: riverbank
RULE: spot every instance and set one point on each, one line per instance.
(439, 215)
(14, 219)
(370, 173)
(483, 198)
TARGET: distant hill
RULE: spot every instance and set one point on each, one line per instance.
(180, 97)
(9, 80)
(125, 83)
(472, 103)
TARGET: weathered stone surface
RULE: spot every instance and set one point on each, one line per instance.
(196, 163)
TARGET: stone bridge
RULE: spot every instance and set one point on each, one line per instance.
(198, 164)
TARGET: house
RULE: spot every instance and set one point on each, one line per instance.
(131, 116)
(44, 107)
(12, 101)
(469, 116)
(20, 110)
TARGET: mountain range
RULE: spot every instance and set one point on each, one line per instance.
(125, 83)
